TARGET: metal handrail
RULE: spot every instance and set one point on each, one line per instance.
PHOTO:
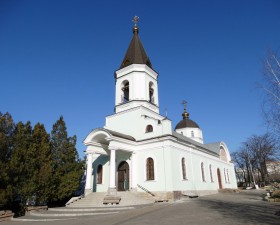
(146, 190)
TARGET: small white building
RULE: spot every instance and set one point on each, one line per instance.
(138, 150)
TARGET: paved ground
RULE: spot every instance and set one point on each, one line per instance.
(227, 209)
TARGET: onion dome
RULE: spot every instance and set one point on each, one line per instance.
(186, 122)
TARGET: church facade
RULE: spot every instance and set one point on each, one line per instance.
(137, 149)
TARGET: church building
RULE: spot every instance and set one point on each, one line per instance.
(138, 151)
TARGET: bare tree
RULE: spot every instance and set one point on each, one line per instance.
(242, 162)
(271, 87)
(252, 158)
(263, 148)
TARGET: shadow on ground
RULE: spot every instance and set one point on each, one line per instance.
(245, 208)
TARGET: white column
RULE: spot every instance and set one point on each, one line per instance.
(89, 172)
(112, 168)
(133, 171)
(112, 186)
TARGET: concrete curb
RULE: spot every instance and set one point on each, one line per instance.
(72, 214)
(88, 209)
(39, 220)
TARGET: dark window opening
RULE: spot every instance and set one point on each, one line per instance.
(99, 174)
(211, 175)
(151, 93)
(125, 89)
(184, 169)
(149, 129)
(202, 172)
(192, 133)
(150, 169)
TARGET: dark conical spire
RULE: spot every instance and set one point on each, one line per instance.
(135, 53)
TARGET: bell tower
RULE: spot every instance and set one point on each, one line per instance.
(136, 80)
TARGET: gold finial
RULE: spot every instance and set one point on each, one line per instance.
(185, 114)
(135, 21)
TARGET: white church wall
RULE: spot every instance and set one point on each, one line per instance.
(139, 77)
(150, 80)
(134, 122)
(104, 161)
(158, 184)
(193, 133)
(177, 175)
(193, 160)
(134, 104)
(168, 169)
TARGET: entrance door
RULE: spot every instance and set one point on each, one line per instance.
(123, 176)
(219, 178)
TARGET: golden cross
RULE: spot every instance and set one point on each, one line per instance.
(184, 103)
(135, 20)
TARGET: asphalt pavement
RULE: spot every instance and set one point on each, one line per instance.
(246, 207)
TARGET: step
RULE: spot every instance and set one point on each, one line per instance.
(127, 198)
(66, 209)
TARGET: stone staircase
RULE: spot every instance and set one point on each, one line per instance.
(95, 199)
(135, 198)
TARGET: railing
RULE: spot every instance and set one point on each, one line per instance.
(73, 199)
(146, 190)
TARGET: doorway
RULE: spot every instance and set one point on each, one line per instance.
(219, 179)
(123, 176)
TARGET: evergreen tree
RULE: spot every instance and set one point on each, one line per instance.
(67, 168)
(6, 136)
(42, 166)
(22, 163)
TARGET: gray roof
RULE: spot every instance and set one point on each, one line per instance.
(135, 53)
(215, 147)
(205, 147)
(117, 134)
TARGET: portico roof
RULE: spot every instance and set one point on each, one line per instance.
(109, 133)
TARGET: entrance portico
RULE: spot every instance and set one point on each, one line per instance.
(104, 144)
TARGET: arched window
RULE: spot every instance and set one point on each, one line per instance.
(125, 90)
(192, 133)
(202, 172)
(149, 129)
(151, 92)
(223, 154)
(225, 175)
(99, 174)
(184, 169)
(211, 175)
(150, 175)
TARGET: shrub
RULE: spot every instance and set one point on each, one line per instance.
(275, 194)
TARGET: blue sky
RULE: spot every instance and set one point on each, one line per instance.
(59, 57)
